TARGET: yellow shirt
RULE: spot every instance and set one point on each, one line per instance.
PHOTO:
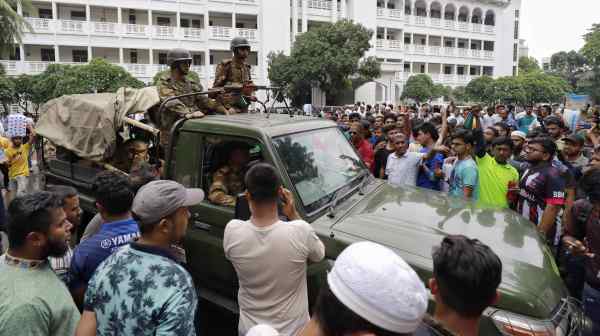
(18, 160)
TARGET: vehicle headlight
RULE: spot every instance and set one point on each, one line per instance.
(567, 320)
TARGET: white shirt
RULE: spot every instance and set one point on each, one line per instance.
(403, 170)
(489, 121)
(270, 263)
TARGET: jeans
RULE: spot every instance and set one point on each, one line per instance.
(591, 307)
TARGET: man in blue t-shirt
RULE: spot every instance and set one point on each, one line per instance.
(430, 173)
(464, 177)
(525, 121)
(114, 198)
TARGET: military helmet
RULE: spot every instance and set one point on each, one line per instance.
(178, 55)
(239, 42)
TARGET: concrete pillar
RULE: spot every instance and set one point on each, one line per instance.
(455, 69)
(151, 56)
(233, 23)
(294, 19)
(385, 33)
(88, 13)
(90, 56)
(442, 70)
(410, 69)
(334, 11)
(343, 6)
(56, 54)
(22, 52)
(121, 58)
(54, 11)
(426, 68)
(427, 40)
(178, 18)
(150, 22)
(304, 16)
(119, 15)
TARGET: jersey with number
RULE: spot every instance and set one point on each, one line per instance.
(540, 186)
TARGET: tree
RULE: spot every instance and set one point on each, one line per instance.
(441, 91)
(192, 75)
(481, 89)
(569, 65)
(459, 95)
(419, 88)
(508, 90)
(12, 25)
(541, 87)
(330, 57)
(528, 64)
(591, 51)
(7, 93)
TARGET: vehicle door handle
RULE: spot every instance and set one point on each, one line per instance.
(202, 226)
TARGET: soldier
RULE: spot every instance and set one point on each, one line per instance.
(235, 72)
(228, 180)
(174, 84)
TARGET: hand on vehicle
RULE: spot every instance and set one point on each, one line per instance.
(578, 248)
(194, 115)
(289, 208)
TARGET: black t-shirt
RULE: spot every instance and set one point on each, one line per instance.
(381, 157)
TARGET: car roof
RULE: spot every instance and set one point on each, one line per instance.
(273, 125)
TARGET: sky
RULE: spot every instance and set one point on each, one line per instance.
(550, 26)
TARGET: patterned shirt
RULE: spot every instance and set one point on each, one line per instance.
(141, 290)
(61, 265)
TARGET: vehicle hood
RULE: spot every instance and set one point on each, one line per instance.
(414, 220)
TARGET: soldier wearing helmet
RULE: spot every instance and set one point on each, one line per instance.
(175, 83)
(235, 71)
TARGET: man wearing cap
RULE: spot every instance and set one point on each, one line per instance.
(518, 156)
(270, 255)
(141, 289)
(572, 151)
(370, 291)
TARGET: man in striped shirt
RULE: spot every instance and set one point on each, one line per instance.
(70, 204)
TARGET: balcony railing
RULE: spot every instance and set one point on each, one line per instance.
(490, 29)
(463, 26)
(192, 33)
(434, 50)
(420, 20)
(395, 44)
(37, 67)
(463, 52)
(395, 13)
(449, 24)
(399, 76)
(319, 4)
(72, 26)
(488, 54)
(220, 32)
(380, 43)
(436, 22)
(164, 31)
(39, 25)
(10, 67)
(419, 49)
(449, 51)
(138, 70)
(199, 69)
(105, 27)
(476, 53)
(135, 29)
(477, 28)
(250, 34)
(380, 11)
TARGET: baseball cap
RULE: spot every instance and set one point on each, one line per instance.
(379, 286)
(158, 199)
(576, 139)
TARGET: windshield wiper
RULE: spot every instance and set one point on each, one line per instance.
(333, 201)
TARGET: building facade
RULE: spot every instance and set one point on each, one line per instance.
(451, 40)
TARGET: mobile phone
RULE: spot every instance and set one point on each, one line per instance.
(585, 126)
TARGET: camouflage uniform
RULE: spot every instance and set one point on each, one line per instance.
(232, 72)
(227, 183)
(179, 108)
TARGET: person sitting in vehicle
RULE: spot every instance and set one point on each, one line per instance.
(228, 179)
(130, 153)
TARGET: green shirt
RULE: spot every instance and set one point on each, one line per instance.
(493, 181)
(34, 301)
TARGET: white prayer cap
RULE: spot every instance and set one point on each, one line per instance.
(519, 134)
(262, 330)
(379, 286)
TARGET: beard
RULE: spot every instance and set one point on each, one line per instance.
(57, 248)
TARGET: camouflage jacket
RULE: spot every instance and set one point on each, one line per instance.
(227, 183)
(232, 71)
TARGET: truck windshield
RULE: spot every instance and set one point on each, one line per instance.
(319, 163)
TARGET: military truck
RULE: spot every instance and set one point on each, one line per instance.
(335, 192)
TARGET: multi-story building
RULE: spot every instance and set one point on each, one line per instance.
(451, 40)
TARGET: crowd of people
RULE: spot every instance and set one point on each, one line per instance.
(537, 160)
(127, 276)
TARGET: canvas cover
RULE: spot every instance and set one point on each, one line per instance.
(87, 124)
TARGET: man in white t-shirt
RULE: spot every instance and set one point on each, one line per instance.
(270, 256)
(402, 165)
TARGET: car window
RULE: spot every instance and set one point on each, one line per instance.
(318, 163)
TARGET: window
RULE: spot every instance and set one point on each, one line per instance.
(448, 43)
(163, 21)
(133, 56)
(422, 68)
(78, 15)
(47, 54)
(488, 71)
(460, 70)
(488, 45)
(162, 58)
(517, 13)
(239, 25)
(196, 24)
(461, 44)
(132, 19)
(80, 56)
(447, 70)
(45, 13)
(184, 23)
(516, 30)
(473, 71)
(197, 59)
(16, 56)
(211, 59)
(515, 52)
(406, 39)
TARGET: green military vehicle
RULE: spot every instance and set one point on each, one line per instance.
(336, 193)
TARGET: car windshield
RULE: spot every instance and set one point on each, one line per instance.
(319, 163)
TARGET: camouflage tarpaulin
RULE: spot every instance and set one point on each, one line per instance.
(87, 124)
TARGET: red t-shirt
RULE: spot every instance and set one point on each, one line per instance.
(366, 153)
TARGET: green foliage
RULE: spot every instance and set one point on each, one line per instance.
(528, 64)
(12, 25)
(192, 75)
(591, 51)
(459, 95)
(507, 90)
(481, 89)
(329, 57)
(419, 88)
(442, 91)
